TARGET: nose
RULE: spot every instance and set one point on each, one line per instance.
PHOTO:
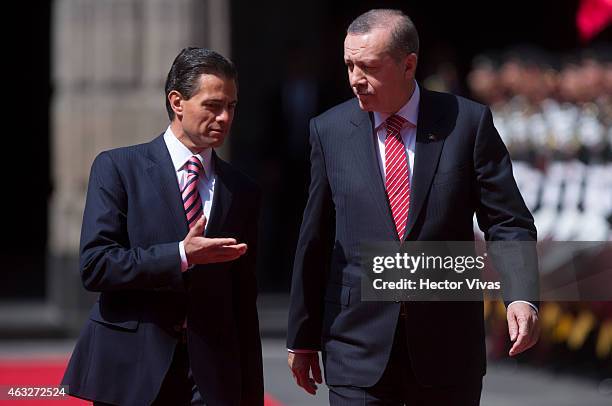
(225, 115)
(357, 77)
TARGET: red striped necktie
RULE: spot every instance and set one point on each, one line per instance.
(192, 202)
(396, 168)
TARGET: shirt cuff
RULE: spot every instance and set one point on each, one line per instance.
(184, 263)
(524, 301)
(302, 351)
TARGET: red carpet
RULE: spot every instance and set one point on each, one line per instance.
(47, 372)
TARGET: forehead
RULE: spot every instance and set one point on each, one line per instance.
(373, 44)
(217, 86)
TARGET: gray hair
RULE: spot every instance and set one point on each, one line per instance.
(404, 36)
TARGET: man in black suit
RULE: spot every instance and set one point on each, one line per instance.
(400, 163)
(176, 321)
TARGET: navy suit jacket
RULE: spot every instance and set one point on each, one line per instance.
(133, 221)
(461, 167)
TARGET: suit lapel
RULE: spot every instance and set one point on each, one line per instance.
(163, 177)
(362, 141)
(222, 199)
(429, 141)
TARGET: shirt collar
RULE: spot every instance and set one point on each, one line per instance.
(180, 154)
(409, 111)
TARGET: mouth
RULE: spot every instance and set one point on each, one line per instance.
(362, 93)
(216, 133)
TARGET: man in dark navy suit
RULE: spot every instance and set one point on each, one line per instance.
(400, 163)
(169, 239)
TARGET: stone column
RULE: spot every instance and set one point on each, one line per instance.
(110, 59)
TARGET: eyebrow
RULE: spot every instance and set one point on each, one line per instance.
(367, 61)
(219, 101)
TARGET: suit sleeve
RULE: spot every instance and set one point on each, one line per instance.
(313, 255)
(503, 216)
(107, 262)
(246, 314)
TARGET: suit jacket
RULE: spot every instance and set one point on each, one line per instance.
(133, 221)
(461, 168)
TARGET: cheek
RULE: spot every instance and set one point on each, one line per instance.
(206, 118)
(376, 85)
(388, 85)
(191, 115)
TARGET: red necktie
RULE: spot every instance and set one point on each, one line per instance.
(396, 167)
(191, 197)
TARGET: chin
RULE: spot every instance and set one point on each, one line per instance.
(212, 142)
(365, 106)
(217, 142)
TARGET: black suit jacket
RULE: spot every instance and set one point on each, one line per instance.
(133, 221)
(461, 168)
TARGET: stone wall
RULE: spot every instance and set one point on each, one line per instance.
(109, 62)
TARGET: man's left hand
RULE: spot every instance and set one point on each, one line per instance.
(523, 326)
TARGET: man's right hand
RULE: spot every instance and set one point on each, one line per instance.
(202, 250)
(301, 364)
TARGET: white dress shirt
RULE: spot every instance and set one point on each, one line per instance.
(180, 154)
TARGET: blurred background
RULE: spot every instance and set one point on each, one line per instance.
(87, 75)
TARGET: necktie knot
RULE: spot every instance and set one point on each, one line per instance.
(194, 166)
(394, 124)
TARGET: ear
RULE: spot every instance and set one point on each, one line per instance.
(176, 102)
(410, 65)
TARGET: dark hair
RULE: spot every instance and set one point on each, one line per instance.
(404, 36)
(187, 67)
